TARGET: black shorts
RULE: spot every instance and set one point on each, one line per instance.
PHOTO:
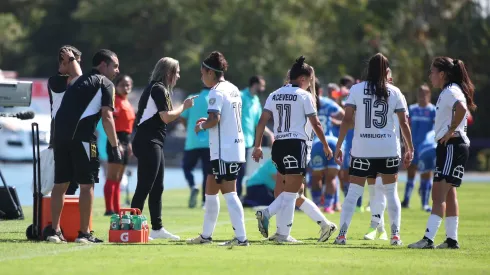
(77, 161)
(371, 167)
(224, 171)
(123, 138)
(451, 161)
(290, 156)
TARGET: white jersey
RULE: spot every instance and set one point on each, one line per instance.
(226, 140)
(290, 107)
(375, 130)
(448, 98)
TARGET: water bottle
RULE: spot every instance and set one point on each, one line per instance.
(144, 222)
(136, 222)
(126, 222)
(115, 222)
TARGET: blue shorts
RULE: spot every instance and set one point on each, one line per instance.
(426, 160)
(318, 159)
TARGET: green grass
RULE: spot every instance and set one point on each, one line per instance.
(18, 256)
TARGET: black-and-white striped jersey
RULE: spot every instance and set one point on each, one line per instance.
(448, 98)
(290, 107)
(375, 132)
(79, 111)
(149, 125)
(226, 141)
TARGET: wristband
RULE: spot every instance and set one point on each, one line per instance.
(200, 126)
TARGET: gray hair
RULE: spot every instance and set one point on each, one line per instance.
(164, 68)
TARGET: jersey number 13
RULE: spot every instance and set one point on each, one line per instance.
(380, 113)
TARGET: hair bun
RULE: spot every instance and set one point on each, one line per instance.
(300, 60)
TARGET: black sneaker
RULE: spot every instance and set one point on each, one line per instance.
(56, 237)
(109, 213)
(405, 204)
(87, 238)
(448, 244)
(425, 243)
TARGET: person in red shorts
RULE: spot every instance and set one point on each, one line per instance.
(123, 118)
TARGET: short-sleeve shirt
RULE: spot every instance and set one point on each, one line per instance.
(263, 175)
(123, 115)
(149, 125)
(290, 107)
(226, 141)
(421, 121)
(250, 118)
(375, 130)
(199, 110)
(80, 108)
(445, 106)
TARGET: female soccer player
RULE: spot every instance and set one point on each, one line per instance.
(294, 113)
(369, 107)
(155, 111)
(453, 105)
(227, 149)
(123, 119)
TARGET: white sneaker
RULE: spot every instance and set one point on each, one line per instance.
(286, 239)
(199, 240)
(327, 231)
(396, 241)
(162, 233)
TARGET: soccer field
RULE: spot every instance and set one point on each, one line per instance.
(19, 256)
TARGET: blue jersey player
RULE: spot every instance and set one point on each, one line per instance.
(426, 155)
(322, 168)
(422, 117)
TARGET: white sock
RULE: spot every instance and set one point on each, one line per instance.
(394, 207)
(375, 207)
(381, 199)
(285, 223)
(210, 215)
(312, 211)
(235, 209)
(433, 225)
(348, 207)
(274, 207)
(452, 227)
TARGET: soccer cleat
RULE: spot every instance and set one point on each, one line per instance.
(263, 223)
(286, 239)
(448, 244)
(273, 237)
(193, 197)
(235, 242)
(87, 238)
(396, 241)
(427, 208)
(340, 240)
(162, 233)
(337, 207)
(56, 237)
(327, 231)
(359, 209)
(329, 210)
(199, 240)
(371, 234)
(425, 243)
(382, 236)
(405, 204)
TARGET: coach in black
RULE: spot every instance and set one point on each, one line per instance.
(68, 70)
(75, 148)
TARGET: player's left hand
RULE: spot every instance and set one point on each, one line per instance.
(257, 154)
(328, 152)
(407, 159)
(446, 137)
(339, 156)
(197, 129)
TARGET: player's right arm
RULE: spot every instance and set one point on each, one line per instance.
(400, 110)
(347, 123)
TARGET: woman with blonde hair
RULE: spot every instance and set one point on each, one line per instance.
(155, 111)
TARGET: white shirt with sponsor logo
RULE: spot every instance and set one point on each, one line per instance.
(446, 103)
(375, 132)
(290, 107)
(226, 140)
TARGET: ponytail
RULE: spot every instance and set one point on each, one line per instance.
(377, 76)
(460, 76)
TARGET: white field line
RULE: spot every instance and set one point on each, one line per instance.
(83, 247)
